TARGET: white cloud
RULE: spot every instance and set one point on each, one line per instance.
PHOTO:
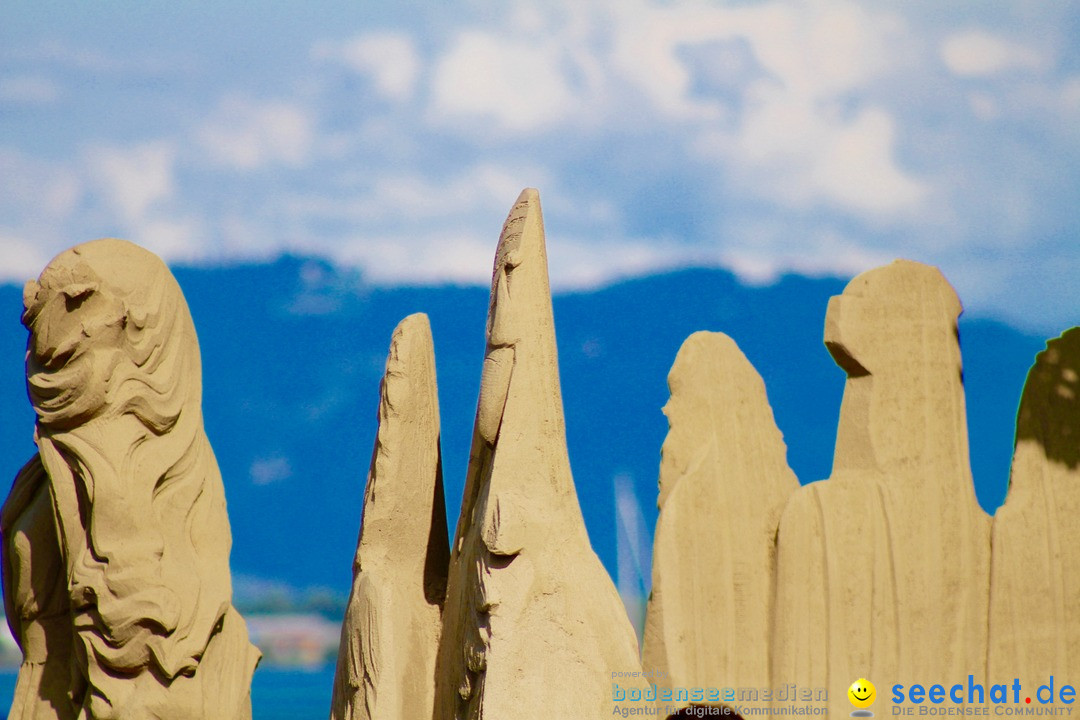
(810, 49)
(248, 135)
(857, 169)
(645, 52)
(574, 263)
(134, 180)
(792, 154)
(582, 263)
(107, 190)
(481, 187)
(20, 259)
(976, 53)
(32, 187)
(390, 58)
(795, 137)
(39, 199)
(414, 201)
(766, 254)
(268, 470)
(28, 90)
(417, 229)
(577, 262)
(173, 238)
(518, 83)
(788, 130)
(138, 194)
(664, 132)
(424, 259)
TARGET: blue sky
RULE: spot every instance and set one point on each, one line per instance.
(820, 136)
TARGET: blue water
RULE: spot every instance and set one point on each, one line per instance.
(276, 694)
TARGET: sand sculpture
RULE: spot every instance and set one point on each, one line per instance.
(532, 626)
(116, 539)
(724, 480)
(390, 636)
(115, 535)
(886, 570)
(883, 569)
(1035, 576)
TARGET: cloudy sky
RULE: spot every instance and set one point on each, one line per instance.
(816, 136)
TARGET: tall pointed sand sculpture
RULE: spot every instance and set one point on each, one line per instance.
(115, 535)
(724, 480)
(389, 640)
(532, 627)
(1035, 578)
(883, 570)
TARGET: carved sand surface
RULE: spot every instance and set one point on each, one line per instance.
(115, 535)
(883, 570)
(724, 480)
(390, 636)
(533, 626)
(1035, 580)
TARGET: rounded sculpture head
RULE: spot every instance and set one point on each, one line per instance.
(894, 332)
(104, 318)
(893, 317)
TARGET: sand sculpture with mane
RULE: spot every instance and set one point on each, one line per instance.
(115, 535)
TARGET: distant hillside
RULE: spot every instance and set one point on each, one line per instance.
(293, 352)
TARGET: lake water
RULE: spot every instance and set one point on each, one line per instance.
(276, 694)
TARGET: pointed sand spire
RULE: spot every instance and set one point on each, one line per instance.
(533, 626)
(390, 636)
(724, 480)
(1035, 580)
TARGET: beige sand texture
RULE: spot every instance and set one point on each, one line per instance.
(1035, 577)
(124, 501)
(390, 636)
(724, 480)
(533, 626)
(883, 570)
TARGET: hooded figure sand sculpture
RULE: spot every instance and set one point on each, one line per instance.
(724, 480)
(115, 535)
(894, 541)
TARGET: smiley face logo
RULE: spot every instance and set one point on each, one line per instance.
(862, 693)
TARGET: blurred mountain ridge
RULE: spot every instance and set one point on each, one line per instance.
(293, 351)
